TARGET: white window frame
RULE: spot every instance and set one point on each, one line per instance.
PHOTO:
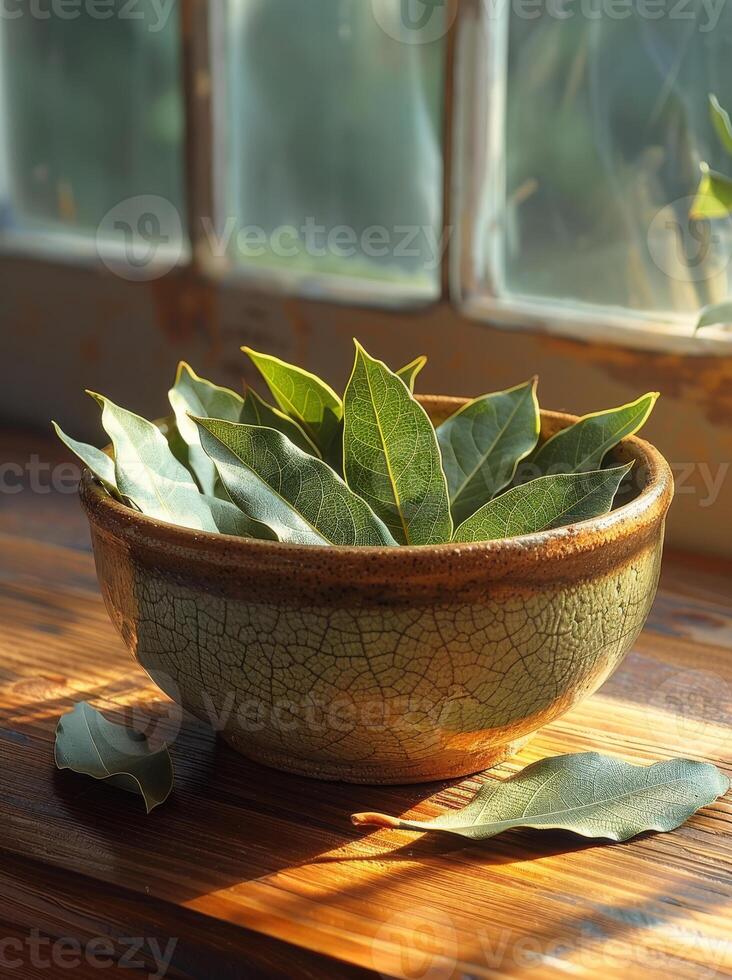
(473, 133)
(478, 146)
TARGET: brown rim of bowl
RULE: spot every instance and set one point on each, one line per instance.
(629, 528)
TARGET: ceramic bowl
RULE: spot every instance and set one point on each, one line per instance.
(384, 665)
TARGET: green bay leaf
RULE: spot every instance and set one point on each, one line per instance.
(586, 793)
(303, 397)
(718, 314)
(583, 446)
(89, 744)
(408, 374)
(542, 504)
(483, 443)
(721, 122)
(391, 456)
(230, 519)
(256, 411)
(192, 395)
(300, 497)
(147, 472)
(227, 518)
(410, 371)
(713, 197)
(101, 465)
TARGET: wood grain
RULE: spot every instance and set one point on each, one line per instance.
(260, 873)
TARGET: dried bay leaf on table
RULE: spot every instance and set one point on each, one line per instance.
(89, 744)
(586, 793)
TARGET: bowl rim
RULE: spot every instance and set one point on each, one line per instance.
(645, 509)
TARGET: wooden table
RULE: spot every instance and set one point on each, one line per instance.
(258, 873)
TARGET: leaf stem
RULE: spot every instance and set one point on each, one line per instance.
(375, 820)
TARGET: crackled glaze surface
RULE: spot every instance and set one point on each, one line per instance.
(382, 665)
(395, 692)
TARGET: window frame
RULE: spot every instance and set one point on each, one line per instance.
(481, 64)
(208, 117)
(470, 71)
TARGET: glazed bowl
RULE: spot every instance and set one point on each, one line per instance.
(384, 665)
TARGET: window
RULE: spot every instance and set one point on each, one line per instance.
(342, 198)
(581, 132)
(299, 146)
(329, 148)
(78, 158)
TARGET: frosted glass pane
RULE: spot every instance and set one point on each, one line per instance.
(4, 160)
(595, 143)
(333, 142)
(91, 116)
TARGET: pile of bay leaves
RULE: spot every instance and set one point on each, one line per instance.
(366, 469)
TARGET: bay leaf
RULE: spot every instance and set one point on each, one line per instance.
(391, 456)
(583, 446)
(718, 314)
(410, 371)
(224, 516)
(721, 122)
(300, 497)
(192, 395)
(101, 465)
(408, 374)
(714, 196)
(586, 793)
(548, 502)
(230, 519)
(483, 443)
(147, 472)
(256, 411)
(302, 396)
(89, 744)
